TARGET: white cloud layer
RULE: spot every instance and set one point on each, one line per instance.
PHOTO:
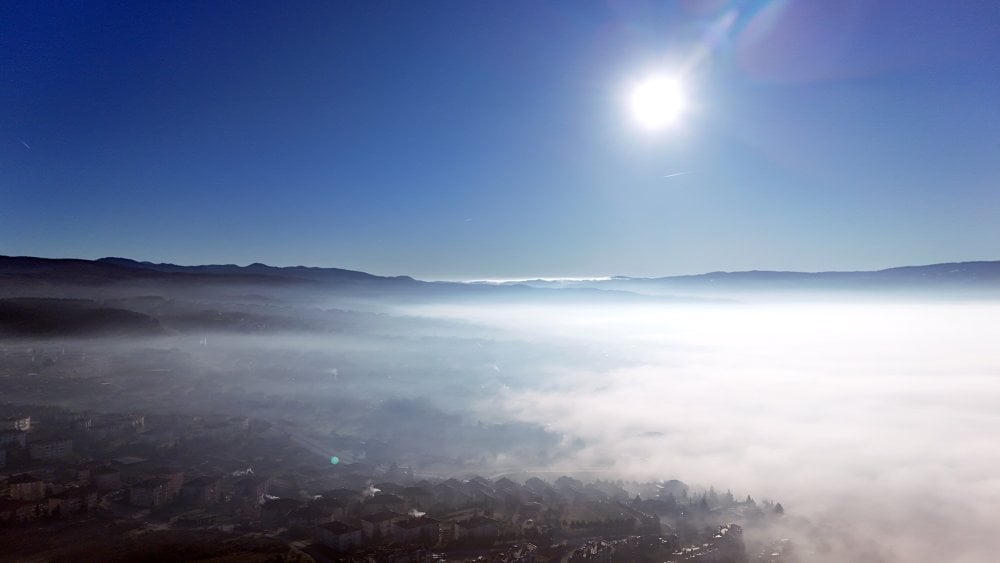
(879, 423)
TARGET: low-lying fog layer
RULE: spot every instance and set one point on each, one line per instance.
(875, 425)
(879, 423)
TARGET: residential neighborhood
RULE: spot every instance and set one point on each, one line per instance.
(251, 481)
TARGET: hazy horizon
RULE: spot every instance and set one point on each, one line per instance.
(529, 277)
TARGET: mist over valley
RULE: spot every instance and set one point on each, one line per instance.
(871, 419)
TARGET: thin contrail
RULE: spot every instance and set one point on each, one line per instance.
(675, 174)
(26, 145)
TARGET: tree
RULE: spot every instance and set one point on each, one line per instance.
(713, 497)
(778, 509)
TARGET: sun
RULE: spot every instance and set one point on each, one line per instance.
(657, 102)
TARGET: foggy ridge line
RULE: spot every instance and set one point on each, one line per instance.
(13, 265)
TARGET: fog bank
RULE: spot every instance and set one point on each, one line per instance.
(876, 422)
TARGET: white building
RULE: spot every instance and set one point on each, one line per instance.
(21, 423)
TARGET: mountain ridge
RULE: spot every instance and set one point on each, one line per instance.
(117, 269)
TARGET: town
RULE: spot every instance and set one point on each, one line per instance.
(126, 486)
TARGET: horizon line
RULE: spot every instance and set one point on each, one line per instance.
(504, 280)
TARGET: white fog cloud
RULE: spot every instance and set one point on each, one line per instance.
(877, 422)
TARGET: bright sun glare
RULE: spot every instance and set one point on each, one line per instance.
(657, 102)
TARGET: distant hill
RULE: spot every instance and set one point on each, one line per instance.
(29, 275)
(113, 270)
(961, 272)
(43, 297)
(30, 272)
(335, 275)
(71, 317)
(970, 278)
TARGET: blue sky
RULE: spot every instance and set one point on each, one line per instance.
(485, 140)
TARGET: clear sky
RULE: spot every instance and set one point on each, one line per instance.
(493, 139)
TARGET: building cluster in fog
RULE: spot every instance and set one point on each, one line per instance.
(65, 471)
